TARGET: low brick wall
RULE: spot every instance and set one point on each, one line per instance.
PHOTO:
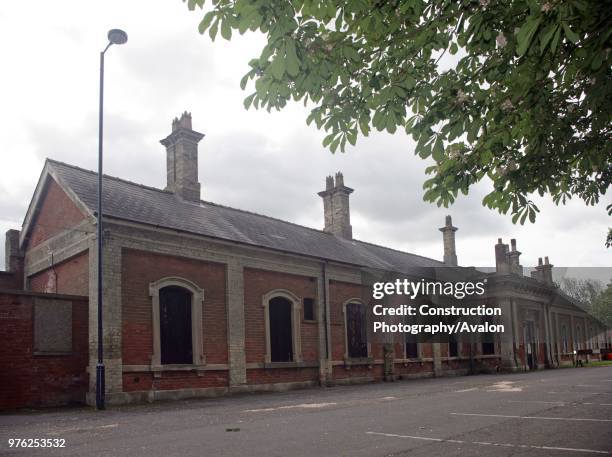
(32, 378)
(9, 280)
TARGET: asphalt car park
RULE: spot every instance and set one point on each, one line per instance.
(562, 412)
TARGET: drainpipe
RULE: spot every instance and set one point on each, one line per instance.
(325, 306)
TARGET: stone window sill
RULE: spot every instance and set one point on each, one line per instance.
(358, 361)
(178, 367)
(161, 368)
(411, 360)
(290, 364)
(52, 354)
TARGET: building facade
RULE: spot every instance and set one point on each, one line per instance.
(203, 300)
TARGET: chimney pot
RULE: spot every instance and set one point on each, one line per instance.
(339, 179)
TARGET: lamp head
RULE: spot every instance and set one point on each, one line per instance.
(117, 36)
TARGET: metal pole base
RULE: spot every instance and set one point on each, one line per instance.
(100, 386)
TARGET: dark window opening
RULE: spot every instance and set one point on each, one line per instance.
(175, 325)
(309, 313)
(412, 346)
(356, 330)
(453, 346)
(488, 344)
(281, 332)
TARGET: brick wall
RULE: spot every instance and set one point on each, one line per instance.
(174, 380)
(28, 380)
(257, 283)
(57, 213)
(68, 277)
(139, 269)
(279, 375)
(413, 368)
(373, 372)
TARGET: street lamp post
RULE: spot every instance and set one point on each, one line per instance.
(115, 36)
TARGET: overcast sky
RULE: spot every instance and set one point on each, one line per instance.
(273, 164)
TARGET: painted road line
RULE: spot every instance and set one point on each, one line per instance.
(560, 403)
(81, 429)
(302, 406)
(534, 417)
(554, 392)
(322, 405)
(486, 443)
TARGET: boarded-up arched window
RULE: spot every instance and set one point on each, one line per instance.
(356, 330)
(412, 346)
(453, 346)
(175, 325)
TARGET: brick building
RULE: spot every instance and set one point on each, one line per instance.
(201, 299)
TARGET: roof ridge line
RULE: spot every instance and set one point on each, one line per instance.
(167, 192)
(397, 250)
(187, 201)
(144, 186)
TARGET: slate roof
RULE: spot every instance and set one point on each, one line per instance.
(134, 202)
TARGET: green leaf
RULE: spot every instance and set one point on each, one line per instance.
(244, 81)
(352, 137)
(212, 31)
(597, 60)
(546, 37)
(278, 66)
(438, 150)
(525, 35)
(247, 101)
(226, 30)
(555, 40)
(205, 23)
(328, 139)
(570, 34)
(292, 62)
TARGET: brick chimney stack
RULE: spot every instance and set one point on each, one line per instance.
(182, 158)
(506, 260)
(543, 272)
(336, 207)
(513, 259)
(501, 258)
(14, 258)
(448, 237)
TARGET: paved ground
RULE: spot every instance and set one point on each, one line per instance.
(565, 412)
